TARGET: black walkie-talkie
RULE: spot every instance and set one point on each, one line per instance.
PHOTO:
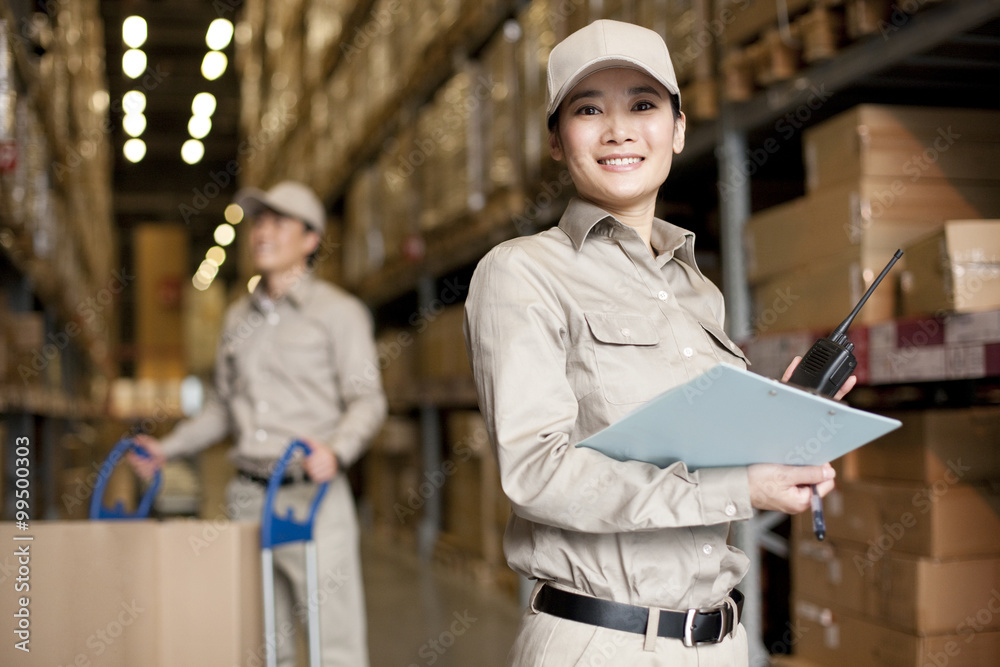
(830, 361)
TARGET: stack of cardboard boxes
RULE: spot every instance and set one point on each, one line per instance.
(909, 574)
(878, 178)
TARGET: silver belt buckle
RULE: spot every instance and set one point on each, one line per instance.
(688, 637)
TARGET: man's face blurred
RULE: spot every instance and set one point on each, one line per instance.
(279, 243)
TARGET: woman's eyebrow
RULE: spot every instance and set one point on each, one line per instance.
(585, 93)
(644, 90)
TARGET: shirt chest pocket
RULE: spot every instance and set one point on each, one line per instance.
(726, 350)
(626, 348)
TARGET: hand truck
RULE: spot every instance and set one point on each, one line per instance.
(275, 531)
(118, 452)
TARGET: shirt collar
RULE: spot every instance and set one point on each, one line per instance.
(581, 218)
(295, 296)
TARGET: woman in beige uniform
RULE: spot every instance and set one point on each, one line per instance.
(570, 329)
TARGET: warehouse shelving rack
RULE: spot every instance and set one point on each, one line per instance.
(946, 53)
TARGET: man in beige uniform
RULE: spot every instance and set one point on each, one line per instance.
(571, 329)
(296, 360)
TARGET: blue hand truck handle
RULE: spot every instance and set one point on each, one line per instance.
(275, 530)
(118, 452)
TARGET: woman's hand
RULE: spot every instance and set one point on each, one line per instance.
(848, 385)
(787, 489)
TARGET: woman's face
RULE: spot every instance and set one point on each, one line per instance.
(617, 134)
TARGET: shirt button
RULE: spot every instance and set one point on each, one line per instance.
(707, 549)
(730, 509)
(663, 296)
(261, 435)
(688, 352)
(626, 332)
(273, 318)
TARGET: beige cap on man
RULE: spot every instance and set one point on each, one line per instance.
(289, 198)
(602, 45)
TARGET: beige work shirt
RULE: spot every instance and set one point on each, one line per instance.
(302, 366)
(568, 330)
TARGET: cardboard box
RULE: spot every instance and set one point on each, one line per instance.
(954, 270)
(745, 20)
(830, 636)
(907, 593)
(392, 473)
(934, 443)
(441, 343)
(472, 489)
(821, 295)
(135, 593)
(909, 143)
(873, 214)
(942, 519)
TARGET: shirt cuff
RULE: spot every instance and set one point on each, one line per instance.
(725, 495)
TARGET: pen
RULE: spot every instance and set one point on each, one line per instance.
(819, 523)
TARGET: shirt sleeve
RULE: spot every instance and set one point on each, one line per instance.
(515, 333)
(360, 383)
(210, 425)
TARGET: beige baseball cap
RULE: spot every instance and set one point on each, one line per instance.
(289, 198)
(602, 45)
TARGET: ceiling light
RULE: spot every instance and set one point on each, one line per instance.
(99, 101)
(215, 254)
(134, 124)
(134, 31)
(252, 283)
(134, 150)
(200, 282)
(199, 126)
(220, 33)
(134, 63)
(192, 151)
(233, 214)
(134, 102)
(224, 234)
(214, 64)
(203, 105)
(208, 270)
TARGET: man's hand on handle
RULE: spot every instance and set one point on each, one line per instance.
(146, 467)
(321, 464)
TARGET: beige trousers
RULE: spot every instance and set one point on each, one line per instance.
(343, 626)
(544, 640)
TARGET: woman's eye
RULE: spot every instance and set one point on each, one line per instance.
(644, 106)
(587, 111)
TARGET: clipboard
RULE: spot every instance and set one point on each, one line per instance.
(731, 417)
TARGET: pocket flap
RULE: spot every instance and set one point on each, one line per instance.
(619, 329)
(722, 339)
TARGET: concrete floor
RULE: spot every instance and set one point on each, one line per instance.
(420, 614)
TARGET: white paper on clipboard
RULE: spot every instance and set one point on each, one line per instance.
(732, 417)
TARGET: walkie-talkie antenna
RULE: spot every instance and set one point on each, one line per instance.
(839, 334)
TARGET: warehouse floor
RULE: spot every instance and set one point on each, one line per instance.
(419, 614)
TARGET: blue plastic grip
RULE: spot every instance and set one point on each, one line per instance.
(97, 508)
(275, 530)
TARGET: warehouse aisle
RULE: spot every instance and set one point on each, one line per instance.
(419, 615)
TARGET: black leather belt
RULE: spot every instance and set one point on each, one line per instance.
(264, 481)
(692, 626)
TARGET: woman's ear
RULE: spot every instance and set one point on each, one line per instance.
(680, 125)
(555, 145)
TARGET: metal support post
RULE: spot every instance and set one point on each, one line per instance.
(430, 443)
